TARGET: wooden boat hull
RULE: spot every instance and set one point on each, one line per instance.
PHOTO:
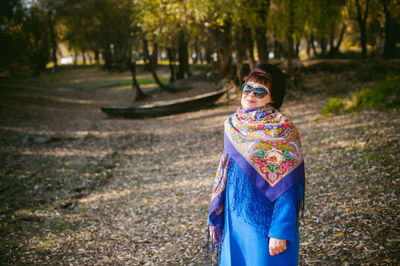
(162, 108)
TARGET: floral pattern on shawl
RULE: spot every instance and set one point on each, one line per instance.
(270, 143)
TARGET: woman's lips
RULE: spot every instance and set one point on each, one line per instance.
(250, 101)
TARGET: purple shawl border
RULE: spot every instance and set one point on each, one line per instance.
(272, 193)
(215, 203)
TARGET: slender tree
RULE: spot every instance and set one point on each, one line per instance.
(362, 15)
(392, 28)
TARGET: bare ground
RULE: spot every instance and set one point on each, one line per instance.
(78, 188)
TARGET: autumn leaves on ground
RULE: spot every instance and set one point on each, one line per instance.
(79, 188)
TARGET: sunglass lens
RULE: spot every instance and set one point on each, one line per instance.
(246, 88)
(260, 92)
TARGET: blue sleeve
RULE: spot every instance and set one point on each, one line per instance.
(286, 209)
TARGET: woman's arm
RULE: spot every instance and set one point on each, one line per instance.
(284, 219)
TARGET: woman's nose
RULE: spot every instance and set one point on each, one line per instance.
(251, 94)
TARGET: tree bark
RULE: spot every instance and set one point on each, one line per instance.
(240, 45)
(107, 55)
(277, 49)
(250, 50)
(334, 49)
(183, 57)
(297, 49)
(154, 57)
(261, 32)
(362, 24)
(308, 47)
(53, 39)
(392, 32)
(149, 59)
(138, 94)
(322, 44)
(83, 57)
(224, 51)
(313, 45)
(96, 56)
(261, 40)
(171, 59)
(75, 57)
(290, 38)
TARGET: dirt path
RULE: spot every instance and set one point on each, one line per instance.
(78, 188)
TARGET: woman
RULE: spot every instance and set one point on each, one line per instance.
(259, 185)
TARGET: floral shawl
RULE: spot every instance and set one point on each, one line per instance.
(266, 145)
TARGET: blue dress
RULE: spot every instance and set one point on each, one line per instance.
(250, 219)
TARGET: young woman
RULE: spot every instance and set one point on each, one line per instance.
(259, 185)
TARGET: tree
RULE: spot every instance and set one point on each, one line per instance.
(392, 28)
(362, 14)
(326, 26)
(25, 36)
(12, 45)
(289, 18)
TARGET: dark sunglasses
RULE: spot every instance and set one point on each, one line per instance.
(259, 92)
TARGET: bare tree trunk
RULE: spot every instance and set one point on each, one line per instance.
(362, 24)
(331, 42)
(240, 45)
(53, 39)
(322, 44)
(296, 54)
(108, 57)
(75, 57)
(277, 49)
(334, 49)
(171, 59)
(340, 38)
(154, 57)
(261, 40)
(261, 32)
(183, 57)
(138, 94)
(224, 50)
(313, 45)
(83, 57)
(196, 52)
(150, 66)
(250, 50)
(290, 38)
(96, 56)
(308, 47)
(392, 33)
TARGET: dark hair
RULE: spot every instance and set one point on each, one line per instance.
(271, 77)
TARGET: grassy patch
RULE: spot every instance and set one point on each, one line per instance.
(150, 80)
(384, 96)
(334, 105)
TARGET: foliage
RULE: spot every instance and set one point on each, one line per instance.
(24, 37)
(334, 105)
(386, 95)
(30, 30)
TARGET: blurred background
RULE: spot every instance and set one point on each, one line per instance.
(226, 35)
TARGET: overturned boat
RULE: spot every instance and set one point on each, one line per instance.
(161, 108)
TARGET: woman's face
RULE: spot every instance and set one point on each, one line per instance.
(249, 101)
